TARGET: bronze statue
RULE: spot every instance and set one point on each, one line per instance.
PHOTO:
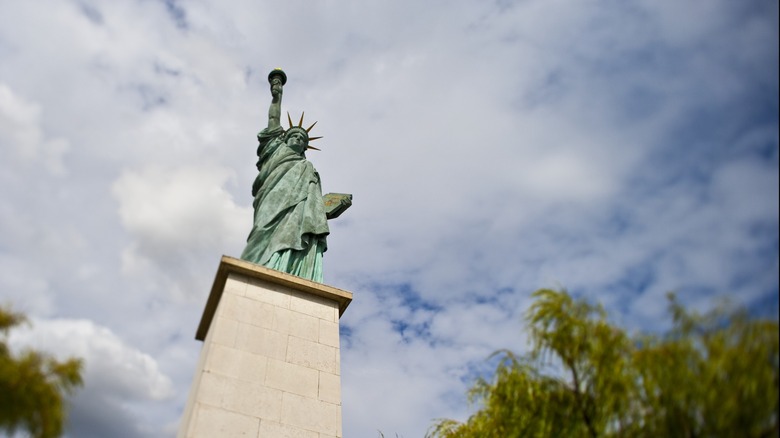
(290, 220)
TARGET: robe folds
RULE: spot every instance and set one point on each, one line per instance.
(290, 228)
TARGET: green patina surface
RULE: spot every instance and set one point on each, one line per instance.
(290, 214)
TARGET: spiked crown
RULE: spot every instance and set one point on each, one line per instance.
(301, 129)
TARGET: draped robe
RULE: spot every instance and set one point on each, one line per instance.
(290, 228)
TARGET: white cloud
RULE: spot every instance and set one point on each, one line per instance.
(170, 212)
(20, 133)
(116, 375)
(110, 364)
(175, 216)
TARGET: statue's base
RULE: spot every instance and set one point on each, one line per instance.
(270, 362)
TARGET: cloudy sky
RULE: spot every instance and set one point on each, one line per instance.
(619, 149)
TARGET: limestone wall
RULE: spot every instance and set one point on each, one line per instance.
(270, 362)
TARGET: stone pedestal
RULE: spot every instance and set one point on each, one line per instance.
(270, 363)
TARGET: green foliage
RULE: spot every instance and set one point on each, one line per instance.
(713, 375)
(33, 386)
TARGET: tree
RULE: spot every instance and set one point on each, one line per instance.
(33, 385)
(712, 375)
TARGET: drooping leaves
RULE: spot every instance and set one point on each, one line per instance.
(712, 375)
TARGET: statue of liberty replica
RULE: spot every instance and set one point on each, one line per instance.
(290, 220)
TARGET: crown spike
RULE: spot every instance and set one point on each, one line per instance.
(312, 147)
(312, 125)
(289, 119)
(300, 122)
(314, 138)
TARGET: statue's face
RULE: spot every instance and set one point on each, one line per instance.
(297, 141)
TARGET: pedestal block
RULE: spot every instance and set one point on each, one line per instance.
(270, 362)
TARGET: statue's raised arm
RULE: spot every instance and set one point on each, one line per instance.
(277, 78)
